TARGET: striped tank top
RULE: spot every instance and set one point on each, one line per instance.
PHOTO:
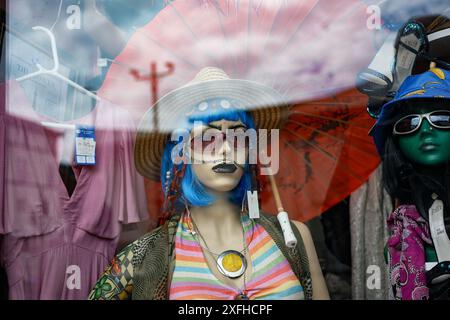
(272, 277)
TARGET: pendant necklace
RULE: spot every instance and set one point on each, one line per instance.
(230, 263)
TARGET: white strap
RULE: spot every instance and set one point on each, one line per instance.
(439, 34)
(438, 233)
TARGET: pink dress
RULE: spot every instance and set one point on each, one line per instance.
(54, 246)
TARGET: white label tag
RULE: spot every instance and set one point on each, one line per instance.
(437, 227)
(85, 146)
(253, 205)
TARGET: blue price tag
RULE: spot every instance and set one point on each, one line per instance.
(85, 146)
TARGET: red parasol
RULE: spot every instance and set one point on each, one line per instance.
(310, 51)
(325, 154)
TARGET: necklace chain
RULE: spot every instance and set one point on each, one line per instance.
(197, 231)
(243, 251)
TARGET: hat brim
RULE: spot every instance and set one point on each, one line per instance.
(266, 105)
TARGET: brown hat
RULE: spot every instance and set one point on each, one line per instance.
(265, 105)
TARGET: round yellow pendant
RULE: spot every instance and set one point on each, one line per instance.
(232, 263)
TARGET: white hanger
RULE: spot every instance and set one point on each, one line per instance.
(54, 71)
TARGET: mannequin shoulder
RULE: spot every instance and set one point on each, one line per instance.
(304, 231)
(320, 290)
(116, 282)
(301, 227)
(307, 240)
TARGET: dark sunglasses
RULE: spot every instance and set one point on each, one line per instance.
(237, 139)
(411, 123)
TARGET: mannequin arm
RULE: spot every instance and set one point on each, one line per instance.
(320, 290)
(116, 283)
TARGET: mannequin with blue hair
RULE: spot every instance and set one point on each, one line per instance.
(194, 192)
(212, 242)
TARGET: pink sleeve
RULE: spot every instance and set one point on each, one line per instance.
(134, 202)
(29, 201)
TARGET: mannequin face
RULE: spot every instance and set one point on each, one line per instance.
(217, 164)
(428, 146)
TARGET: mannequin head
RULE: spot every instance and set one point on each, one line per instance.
(418, 163)
(209, 105)
(221, 169)
(428, 146)
(215, 163)
(413, 139)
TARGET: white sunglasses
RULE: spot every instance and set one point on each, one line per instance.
(411, 123)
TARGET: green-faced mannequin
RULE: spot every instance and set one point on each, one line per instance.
(428, 146)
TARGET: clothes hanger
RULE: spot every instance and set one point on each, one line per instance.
(54, 72)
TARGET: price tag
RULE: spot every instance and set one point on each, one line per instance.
(85, 146)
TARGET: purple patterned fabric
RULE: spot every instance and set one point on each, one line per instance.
(409, 233)
(55, 246)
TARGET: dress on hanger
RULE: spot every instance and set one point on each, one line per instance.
(55, 246)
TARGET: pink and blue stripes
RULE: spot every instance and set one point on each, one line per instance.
(272, 276)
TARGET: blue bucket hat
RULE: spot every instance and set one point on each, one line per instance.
(433, 84)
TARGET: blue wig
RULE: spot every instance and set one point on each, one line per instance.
(193, 191)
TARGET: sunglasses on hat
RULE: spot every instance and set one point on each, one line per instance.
(439, 119)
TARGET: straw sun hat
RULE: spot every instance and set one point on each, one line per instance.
(171, 112)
